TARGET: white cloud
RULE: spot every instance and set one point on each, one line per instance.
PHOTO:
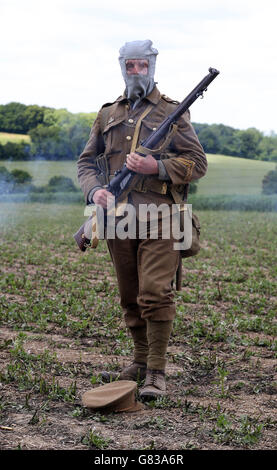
(64, 54)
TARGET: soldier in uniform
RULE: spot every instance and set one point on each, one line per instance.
(145, 267)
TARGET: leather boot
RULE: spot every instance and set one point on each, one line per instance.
(135, 371)
(154, 385)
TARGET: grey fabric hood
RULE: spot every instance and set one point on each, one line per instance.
(138, 86)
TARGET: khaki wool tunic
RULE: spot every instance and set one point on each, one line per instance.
(145, 268)
(184, 158)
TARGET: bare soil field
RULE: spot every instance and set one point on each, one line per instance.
(61, 325)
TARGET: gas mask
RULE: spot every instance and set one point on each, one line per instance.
(137, 60)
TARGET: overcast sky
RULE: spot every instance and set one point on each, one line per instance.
(64, 54)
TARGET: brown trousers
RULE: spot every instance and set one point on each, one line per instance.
(145, 270)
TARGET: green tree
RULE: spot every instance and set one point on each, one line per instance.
(46, 142)
(15, 151)
(33, 116)
(21, 176)
(268, 148)
(19, 118)
(249, 142)
(209, 139)
(218, 138)
(61, 183)
(61, 136)
(12, 117)
(270, 182)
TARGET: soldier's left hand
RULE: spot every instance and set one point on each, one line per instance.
(144, 165)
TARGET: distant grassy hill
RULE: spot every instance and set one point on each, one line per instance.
(232, 175)
(226, 175)
(15, 138)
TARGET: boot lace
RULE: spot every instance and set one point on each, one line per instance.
(153, 379)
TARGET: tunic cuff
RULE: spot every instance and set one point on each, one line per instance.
(91, 193)
(163, 175)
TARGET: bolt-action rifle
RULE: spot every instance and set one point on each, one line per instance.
(124, 176)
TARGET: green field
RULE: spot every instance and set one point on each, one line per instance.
(15, 138)
(61, 324)
(232, 175)
(42, 171)
(226, 175)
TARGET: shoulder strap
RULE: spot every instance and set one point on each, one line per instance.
(105, 112)
(104, 117)
(169, 100)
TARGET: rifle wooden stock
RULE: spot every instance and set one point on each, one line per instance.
(80, 238)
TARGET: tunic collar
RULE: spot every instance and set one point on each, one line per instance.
(153, 97)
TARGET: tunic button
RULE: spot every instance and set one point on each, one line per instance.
(131, 121)
(154, 128)
(129, 137)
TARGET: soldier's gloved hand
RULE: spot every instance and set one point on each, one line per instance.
(145, 165)
(101, 197)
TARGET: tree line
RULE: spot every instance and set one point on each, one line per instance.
(57, 134)
(225, 140)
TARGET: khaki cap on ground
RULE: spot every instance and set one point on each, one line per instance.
(116, 396)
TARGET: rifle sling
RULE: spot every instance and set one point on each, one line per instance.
(146, 151)
(137, 128)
